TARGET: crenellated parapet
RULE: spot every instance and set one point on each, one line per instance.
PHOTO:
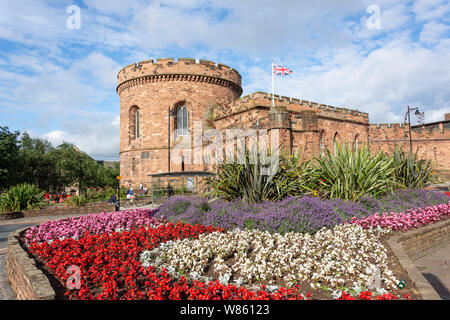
(293, 105)
(185, 69)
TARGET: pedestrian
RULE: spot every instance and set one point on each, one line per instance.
(130, 194)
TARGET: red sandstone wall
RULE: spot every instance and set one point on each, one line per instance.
(431, 142)
(153, 90)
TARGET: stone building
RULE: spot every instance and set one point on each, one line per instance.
(162, 94)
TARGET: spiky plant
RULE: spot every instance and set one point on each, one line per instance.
(351, 174)
(411, 171)
(21, 197)
(254, 181)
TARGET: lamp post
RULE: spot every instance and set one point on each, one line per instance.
(117, 204)
(417, 113)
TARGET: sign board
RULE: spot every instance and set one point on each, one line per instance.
(118, 177)
(190, 184)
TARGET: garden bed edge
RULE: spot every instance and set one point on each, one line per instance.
(26, 279)
(413, 244)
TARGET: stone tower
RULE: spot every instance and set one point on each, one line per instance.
(147, 91)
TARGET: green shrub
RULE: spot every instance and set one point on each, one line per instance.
(351, 174)
(100, 194)
(77, 201)
(412, 172)
(22, 197)
(245, 180)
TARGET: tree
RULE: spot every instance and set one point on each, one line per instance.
(9, 152)
(36, 166)
(36, 161)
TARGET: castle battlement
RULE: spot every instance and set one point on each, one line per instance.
(264, 99)
(183, 69)
(387, 125)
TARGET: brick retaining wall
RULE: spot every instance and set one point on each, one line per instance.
(27, 280)
(56, 211)
(416, 243)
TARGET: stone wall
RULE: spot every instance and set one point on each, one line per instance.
(153, 88)
(431, 141)
(418, 243)
(56, 211)
(413, 244)
(27, 280)
(307, 126)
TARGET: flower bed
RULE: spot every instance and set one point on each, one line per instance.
(118, 253)
(306, 214)
(292, 249)
(345, 256)
(94, 223)
(404, 221)
(110, 267)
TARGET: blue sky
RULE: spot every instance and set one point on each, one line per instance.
(59, 83)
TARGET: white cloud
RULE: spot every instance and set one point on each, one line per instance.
(100, 139)
(426, 10)
(382, 83)
(432, 32)
(66, 78)
(395, 17)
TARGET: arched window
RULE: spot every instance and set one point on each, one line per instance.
(336, 142)
(355, 142)
(182, 123)
(322, 143)
(135, 122)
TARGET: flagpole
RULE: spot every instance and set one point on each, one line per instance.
(273, 92)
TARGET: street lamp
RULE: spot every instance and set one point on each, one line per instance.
(419, 114)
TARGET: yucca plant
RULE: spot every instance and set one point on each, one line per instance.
(410, 171)
(244, 180)
(294, 176)
(22, 197)
(351, 174)
(248, 181)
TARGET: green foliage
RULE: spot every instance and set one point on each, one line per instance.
(293, 177)
(9, 154)
(77, 201)
(36, 161)
(351, 174)
(100, 194)
(21, 197)
(35, 164)
(412, 172)
(247, 180)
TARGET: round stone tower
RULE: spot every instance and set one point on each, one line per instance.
(148, 90)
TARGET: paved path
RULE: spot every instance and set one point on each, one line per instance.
(6, 229)
(435, 267)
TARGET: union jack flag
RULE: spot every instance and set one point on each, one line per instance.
(278, 70)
